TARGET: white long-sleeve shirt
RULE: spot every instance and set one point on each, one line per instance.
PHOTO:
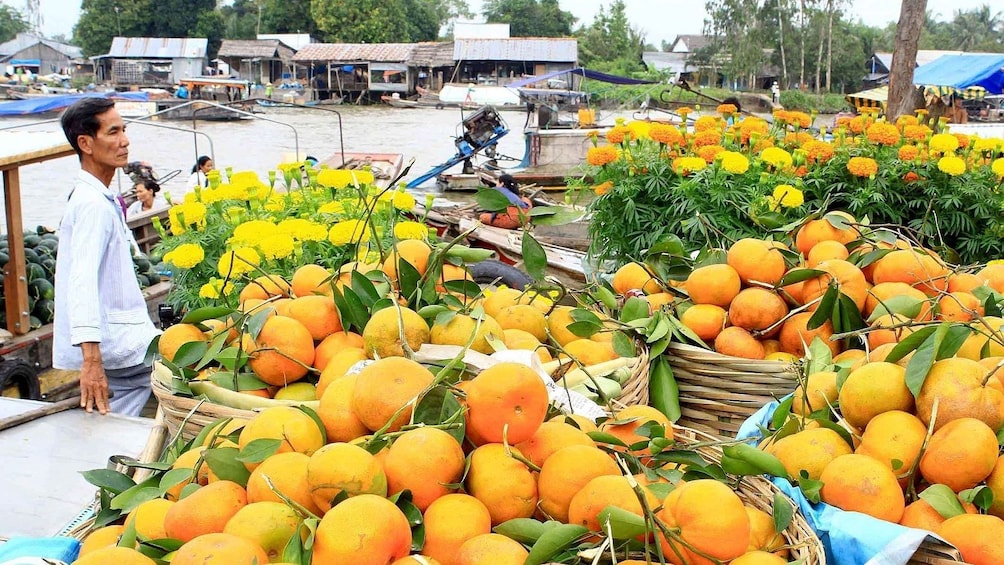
(97, 296)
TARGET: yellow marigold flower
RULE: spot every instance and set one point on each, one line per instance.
(963, 139)
(237, 262)
(276, 246)
(602, 155)
(185, 256)
(603, 188)
(857, 124)
(708, 152)
(943, 143)
(333, 208)
(639, 129)
(665, 134)
(883, 133)
(998, 167)
(349, 231)
(618, 134)
(776, 157)
(734, 162)
(410, 230)
(210, 290)
(908, 152)
(727, 109)
(707, 137)
(705, 123)
(916, 132)
(983, 144)
(800, 119)
(403, 200)
(818, 151)
(951, 165)
(251, 232)
(685, 165)
(862, 166)
(906, 120)
(191, 197)
(303, 230)
(684, 111)
(788, 196)
(751, 126)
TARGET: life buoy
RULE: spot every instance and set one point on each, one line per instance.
(513, 217)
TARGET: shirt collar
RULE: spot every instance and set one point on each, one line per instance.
(92, 181)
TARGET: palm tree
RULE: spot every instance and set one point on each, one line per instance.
(972, 28)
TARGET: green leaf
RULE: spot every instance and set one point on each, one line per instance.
(190, 353)
(173, 478)
(781, 412)
(761, 460)
(524, 530)
(954, 339)
(783, 511)
(534, 257)
(317, 420)
(228, 358)
(623, 345)
(825, 309)
(364, 288)
(621, 523)
(904, 305)
(810, 488)
(604, 437)
(255, 322)
(584, 329)
(205, 313)
(440, 406)
(224, 463)
(668, 245)
(294, 551)
(259, 450)
(403, 501)
(635, 308)
(982, 497)
(350, 308)
(682, 457)
(553, 542)
(584, 315)
(408, 279)
(849, 314)
(245, 381)
(910, 343)
(128, 537)
(468, 288)
(799, 275)
(663, 390)
(215, 346)
(130, 499)
(107, 479)
(923, 358)
(943, 500)
(491, 200)
(555, 215)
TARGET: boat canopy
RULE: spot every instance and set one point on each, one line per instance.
(871, 98)
(583, 72)
(57, 102)
(961, 72)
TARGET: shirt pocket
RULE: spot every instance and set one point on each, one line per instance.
(129, 335)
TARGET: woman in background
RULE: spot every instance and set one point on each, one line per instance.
(199, 172)
(515, 215)
(146, 198)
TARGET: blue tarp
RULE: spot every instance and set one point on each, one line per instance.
(964, 71)
(57, 102)
(582, 72)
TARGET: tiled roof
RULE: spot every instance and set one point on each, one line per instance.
(355, 52)
(255, 48)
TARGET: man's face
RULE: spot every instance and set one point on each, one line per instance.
(109, 146)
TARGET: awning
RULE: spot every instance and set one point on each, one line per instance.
(872, 98)
(25, 62)
(964, 71)
(970, 93)
(586, 73)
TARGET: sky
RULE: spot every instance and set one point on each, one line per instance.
(659, 20)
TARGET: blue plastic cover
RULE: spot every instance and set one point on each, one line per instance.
(583, 72)
(60, 548)
(963, 71)
(57, 102)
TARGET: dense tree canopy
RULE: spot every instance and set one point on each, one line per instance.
(376, 21)
(286, 16)
(530, 18)
(101, 20)
(12, 22)
(610, 43)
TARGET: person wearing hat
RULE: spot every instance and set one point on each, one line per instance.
(517, 214)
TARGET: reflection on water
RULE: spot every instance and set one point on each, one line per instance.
(425, 134)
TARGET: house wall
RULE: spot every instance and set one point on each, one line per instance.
(52, 61)
(187, 68)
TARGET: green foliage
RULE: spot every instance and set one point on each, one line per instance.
(211, 26)
(100, 21)
(530, 18)
(240, 19)
(610, 44)
(287, 16)
(179, 18)
(12, 22)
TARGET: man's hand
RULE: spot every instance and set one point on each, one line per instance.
(93, 382)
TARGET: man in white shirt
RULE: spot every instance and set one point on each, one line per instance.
(102, 326)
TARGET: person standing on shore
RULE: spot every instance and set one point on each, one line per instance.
(102, 327)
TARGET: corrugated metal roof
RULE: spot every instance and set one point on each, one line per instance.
(355, 52)
(25, 40)
(158, 47)
(432, 54)
(544, 49)
(255, 48)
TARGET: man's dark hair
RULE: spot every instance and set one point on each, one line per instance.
(81, 118)
(735, 102)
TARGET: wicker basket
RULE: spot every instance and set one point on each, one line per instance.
(759, 493)
(635, 390)
(718, 392)
(191, 415)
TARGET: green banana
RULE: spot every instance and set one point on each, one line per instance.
(226, 397)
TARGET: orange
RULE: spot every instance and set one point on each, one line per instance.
(883, 292)
(756, 260)
(888, 329)
(577, 421)
(215, 327)
(414, 251)
(317, 313)
(557, 325)
(992, 276)
(961, 454)
(706, 320)
(710, 518)
(311, 279)
(220, 548)
(601, 492)
(114, 554)
(919, 270)
(963, 282)
(814, 231)
(587, 352)
(737, 342)
(921, 515)
(824, 251)
(491, 548)
(861, 484)
(288, 475)
(382, 335)
(334, 344)
(658, 300)
(959, 307)
(849, 279)
(995, 482)
(624, 424)
(338, 467)
(148, 518)
(283, 351)
(635, 276)
(102, 537)
(338, 366)
(363, 529)
(177, 335)
(449, 522)
(413, 560)
(205, 511)
(977, 537)
(809, 450)
(958, 386)
(796, 336)
(463, 329)
(759, 557)
(519, 339)
(523, 317)
(817, 393)
(270, 525)
(792, 293)
(384, 389)
(550, 437)
(894, 438)
(502, 483)
(714, 284)
(763, 536)
(873, 389)
(506, 400)
(756, 310)
(425, 461)
(566, 472)
(335, 411)
(265, 287)
(297, 430)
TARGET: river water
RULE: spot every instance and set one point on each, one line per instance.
(424, 134)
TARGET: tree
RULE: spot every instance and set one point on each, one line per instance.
(240, 19)
(976, 30)
(287, 16)
(530, 18)
(179, 18)
(427, 18)
(901, 90)
(369, 21)
(12, 22)
(610, 43)
(101, 20)
(210, 25)
(740, 29)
